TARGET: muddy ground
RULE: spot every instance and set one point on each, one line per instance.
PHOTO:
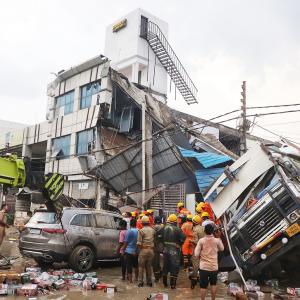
(108, 273)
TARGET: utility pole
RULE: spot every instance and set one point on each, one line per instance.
(244, 126)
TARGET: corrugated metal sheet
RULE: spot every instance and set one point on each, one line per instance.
(124, 171)
(206, 177)
(206, 159)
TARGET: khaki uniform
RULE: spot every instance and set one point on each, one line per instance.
(145, 241)
(198, 233)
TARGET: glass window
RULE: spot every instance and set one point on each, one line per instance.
(82, 220)
(103, 221)
(65, 101)
(85, 140)
(44, 218)
(61, 146)
(87, 91)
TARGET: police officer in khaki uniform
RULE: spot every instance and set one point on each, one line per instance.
(198, 233)
(145, 242)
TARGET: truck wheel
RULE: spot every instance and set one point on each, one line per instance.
(82, 259)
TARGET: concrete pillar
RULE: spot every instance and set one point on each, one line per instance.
(77, 96)
(135, 72)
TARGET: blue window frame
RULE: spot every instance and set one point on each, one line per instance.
(85, 140)
(87, 91)
(61, 146)
(66, 101)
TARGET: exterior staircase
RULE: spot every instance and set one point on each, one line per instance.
(169, 60)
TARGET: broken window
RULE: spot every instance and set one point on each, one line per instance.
(87, 91)
(61, 146)
(64, 104)
(125, 115)
(85, 141)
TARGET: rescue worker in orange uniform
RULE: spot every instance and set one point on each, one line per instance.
(187, 247)
(151, 217)
(139, 224)
(182, 210)
(207, 208)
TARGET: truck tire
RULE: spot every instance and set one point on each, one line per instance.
(82, 259)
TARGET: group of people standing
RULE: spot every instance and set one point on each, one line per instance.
(184, 240)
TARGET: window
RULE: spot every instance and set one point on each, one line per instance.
(61, 146)
(44, 218)
(85, 140)
(103, 221)
(87, 91)
(65, 102)
(83, 220)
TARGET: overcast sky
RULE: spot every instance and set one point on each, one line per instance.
(221, 43)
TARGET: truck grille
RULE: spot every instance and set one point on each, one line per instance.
(261, 224)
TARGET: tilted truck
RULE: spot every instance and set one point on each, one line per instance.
(258, 198)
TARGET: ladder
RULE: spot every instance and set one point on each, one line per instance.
(169, 60)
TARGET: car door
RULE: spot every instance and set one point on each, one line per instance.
(81, 229)
(106, 235)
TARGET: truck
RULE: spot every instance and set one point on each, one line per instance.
(258, 199)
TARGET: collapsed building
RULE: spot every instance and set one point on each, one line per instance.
(110, 132)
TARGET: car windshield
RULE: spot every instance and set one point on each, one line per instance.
(44, 217)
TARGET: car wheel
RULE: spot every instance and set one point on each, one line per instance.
(82, 259)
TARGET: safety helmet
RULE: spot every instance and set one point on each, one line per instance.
(197, 219)
(189, 217)
(202, 204)
(134, 214)
(141, 215)
(180, 204)
(145, 219)
(172, 218)
(205, 214)
(199, 208)
(150, 211)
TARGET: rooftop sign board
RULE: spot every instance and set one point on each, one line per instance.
(120, 25)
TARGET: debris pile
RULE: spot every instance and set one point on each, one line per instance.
(269, 289)
(34, 282)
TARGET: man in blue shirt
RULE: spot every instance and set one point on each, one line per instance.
(130, 247)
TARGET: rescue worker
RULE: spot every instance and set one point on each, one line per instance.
(151, 217)
(181, 219)
(173, 239)
(134, 215)
(182, 210)
(198, 233)
(207, 208)
(3, 221)
(139, 224)
(187, 249)
(206, 220)
(145, 242)
(158, 247)
(199, 208)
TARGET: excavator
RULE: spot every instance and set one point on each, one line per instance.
(16, 173)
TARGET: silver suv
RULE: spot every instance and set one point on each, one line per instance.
(79, 236)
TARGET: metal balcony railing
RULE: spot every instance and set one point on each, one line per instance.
(169, 60)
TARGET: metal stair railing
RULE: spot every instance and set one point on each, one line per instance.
(169, 60)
